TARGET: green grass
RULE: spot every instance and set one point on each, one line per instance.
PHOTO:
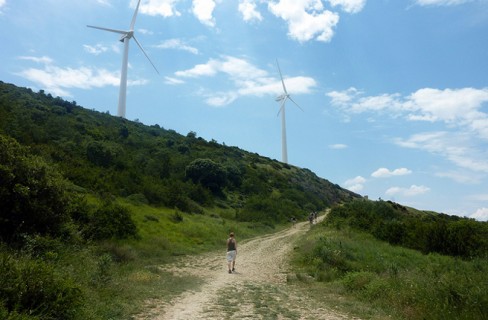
(117, 278)
(375, 280)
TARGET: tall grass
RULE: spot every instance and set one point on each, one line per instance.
(403, 283)
(111, 279)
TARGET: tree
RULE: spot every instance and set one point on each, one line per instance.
(208, 173)
(32, 195)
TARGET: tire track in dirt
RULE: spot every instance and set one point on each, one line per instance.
(257, 290)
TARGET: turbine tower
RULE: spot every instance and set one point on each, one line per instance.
(125, 38)
(282, 100)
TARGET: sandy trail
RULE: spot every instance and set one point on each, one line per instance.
(256, 290)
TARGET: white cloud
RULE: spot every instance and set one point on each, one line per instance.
(247, 79)
(480, 214)
(96, 49)
(461, 110)
(338, 146)
(461, 107)
(203, 10)
(456, 147)
(2, 4)
(350, 6)
(248, 10)
(414, 190)
(165, 8)
(43, 59)
(173, 81)
(385, 173)
(177, 44)
(441, 2)
(460, 176)
(58, 80)
(355, 184)
(307, 19)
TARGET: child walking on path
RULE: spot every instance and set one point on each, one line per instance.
(231, 252)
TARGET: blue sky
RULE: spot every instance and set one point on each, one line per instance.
(394, 93)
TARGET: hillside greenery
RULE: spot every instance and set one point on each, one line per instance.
(410, 228)
(92, 204)
(397, 262)
(89, 201)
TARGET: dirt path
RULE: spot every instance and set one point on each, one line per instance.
(256, 290)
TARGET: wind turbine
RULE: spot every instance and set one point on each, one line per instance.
(125, 38)
(282, 100)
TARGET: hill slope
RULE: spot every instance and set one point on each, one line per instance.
(109, 155)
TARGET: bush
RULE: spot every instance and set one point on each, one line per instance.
(208, 173)
(31, 289)
(33, 195)
(111, 221)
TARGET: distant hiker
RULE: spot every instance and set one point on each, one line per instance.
(310, 217)
(293, 221)
(315, 215)
(231, 252)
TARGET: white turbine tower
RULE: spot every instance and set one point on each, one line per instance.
(282, 100)
(125, 38)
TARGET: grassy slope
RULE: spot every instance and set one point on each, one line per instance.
(119, 277)
(358, 274)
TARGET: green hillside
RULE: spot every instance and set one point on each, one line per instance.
(106, 154)
(89, 199)
(92, 204)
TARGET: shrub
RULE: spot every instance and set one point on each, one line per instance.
(33, 288)
(33, 195)
(111, 221)
(207, 172)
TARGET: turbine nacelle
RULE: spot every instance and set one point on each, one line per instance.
(127, 36)
(281, 97)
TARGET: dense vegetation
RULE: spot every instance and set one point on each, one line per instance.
(365, 250)
(90, 200)
(398, 225)
(92, 204)
(110, 155)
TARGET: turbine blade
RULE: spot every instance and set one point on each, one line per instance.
(145, 54)
(295, 103)
(281, 76)
(133, 22)
(107, 29)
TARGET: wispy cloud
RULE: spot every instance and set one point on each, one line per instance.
(176, 44)
(247, 79)
(460, 110)
(96, 49)
(452, 106)
(249, 11)
(173, 81)
(2, 4)
(350, 6)
(464, 176)
(355, 184)
(481, 214)
(386, 173)
(456, 147)
(103, 2)
(58, 80)
(164, 8)
(338, 146)
(413, 190)
(441, 2)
